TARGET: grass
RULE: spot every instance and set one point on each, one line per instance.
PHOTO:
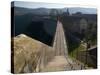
(74, 52)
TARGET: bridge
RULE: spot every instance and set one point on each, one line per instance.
(38, 57)
(57, 58)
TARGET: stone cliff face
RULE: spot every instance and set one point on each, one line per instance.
(26, 53)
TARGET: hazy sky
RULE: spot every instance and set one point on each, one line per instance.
(37, 5)
(47, 5)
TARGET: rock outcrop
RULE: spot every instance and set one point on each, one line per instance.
(26, 53)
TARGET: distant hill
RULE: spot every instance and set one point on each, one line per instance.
(83, 10)
(47, 11)
(38, 11)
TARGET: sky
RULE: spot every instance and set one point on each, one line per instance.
(38, 5)
(48, 5)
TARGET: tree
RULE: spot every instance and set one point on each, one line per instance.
(78, 13)
(88, 36)
(53, 13)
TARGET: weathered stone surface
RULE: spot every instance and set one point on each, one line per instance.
(26, 53)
